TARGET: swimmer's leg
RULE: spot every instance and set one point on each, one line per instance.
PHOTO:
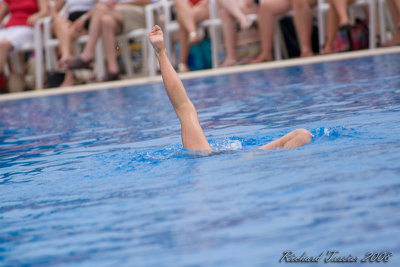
(294, 139)
(191, 132)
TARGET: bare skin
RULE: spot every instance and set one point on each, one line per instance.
(394, 8)
(67, 32)
(188, 18)
(5, 45)
(230, 12)
(192, 134)
(337, 17)
(106, 22)
(269, 10)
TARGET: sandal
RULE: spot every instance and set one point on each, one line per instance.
(79, 63)
(346, 28)
(111, 76)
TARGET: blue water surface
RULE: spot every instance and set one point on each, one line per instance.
(101, 178)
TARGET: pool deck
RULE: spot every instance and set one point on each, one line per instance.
(203, 73)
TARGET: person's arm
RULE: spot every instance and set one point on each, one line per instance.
(192, 134)
(56, 8)
(3, 11)
(43, 11)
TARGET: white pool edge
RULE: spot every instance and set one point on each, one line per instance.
(202, 73)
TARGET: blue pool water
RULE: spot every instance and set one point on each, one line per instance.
(101, 179)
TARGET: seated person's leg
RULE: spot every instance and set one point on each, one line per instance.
(303, 24)
(5, 47)
(13, 38)
(268, 11)
(110, 27)
(230, 37)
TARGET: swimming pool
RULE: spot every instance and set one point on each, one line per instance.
(100, 178)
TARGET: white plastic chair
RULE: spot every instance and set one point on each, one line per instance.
(50, 43)
(385, 22)
(28, 47)
(141, 34)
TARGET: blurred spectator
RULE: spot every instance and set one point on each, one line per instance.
(18, 30)
(233, 12)
(394, 8)
(338, 19)
(189, 13)
(109, 18)
(268, 12)
(69, 29)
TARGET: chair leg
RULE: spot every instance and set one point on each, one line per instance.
(38, 57)
(214, 46)
(382, 20)
(277, 43)
(145, 62)
(99, 61)
(372, 24)
(152, 63)
(321, 27)
(126, 55)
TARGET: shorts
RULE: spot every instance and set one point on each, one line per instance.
(17, 35)
(134, 17)
(76, 15)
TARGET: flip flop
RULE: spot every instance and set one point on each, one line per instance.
(111, 76)
(79, 63)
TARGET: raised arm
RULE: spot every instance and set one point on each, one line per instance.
(191, 132)
(3, 11)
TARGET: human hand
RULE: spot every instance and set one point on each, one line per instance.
(32, 19)
(156, 39)
(78, 25)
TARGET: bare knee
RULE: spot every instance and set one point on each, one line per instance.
(223, 14)
(272, 7)
(5, 46)
(304, 135)
(266, 7)
(107, 22)
(300, 4)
